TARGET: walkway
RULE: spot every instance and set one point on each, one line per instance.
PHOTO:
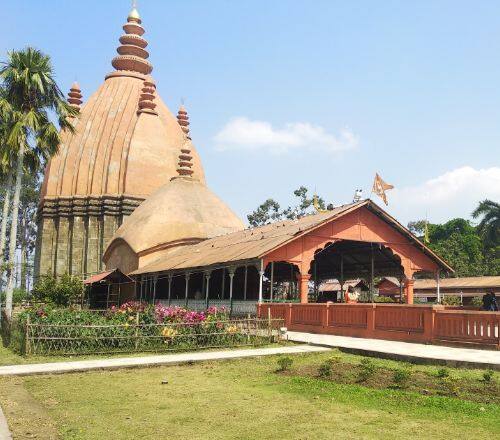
(4, 427)
(451, 356)
(147, 361)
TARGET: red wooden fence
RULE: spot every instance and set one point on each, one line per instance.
(416, 323)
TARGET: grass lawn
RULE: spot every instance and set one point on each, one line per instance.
(237, 399)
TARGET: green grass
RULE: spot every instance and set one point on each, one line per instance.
(238, 399)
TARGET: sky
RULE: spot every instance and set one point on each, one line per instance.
(323, 94)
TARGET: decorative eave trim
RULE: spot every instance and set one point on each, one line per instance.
(114, 205)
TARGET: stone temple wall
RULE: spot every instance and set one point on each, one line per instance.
(74, 232)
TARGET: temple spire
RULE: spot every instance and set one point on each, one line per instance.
(183, 120)
(75, 96)
(185, 160)
(132, 53)
(147, 97)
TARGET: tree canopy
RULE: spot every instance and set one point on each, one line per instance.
(470, 250)
(270, 210)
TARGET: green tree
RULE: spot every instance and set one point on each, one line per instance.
(60, 292)
(459, 243)
(30, 93)
(267, 212)
(270, 210)
(489, 227)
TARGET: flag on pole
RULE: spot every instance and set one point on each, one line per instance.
(380, 187)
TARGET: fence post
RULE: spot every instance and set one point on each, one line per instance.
(288, 316)
(269, 333)
(324, 315)
(136, 333)
(248, 327)
(370, 320)
(27, 343)
(498, 330)
(429, 322)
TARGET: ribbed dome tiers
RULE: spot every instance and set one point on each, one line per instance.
(125, 146)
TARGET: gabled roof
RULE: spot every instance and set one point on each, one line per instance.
(248, 244)
(108, 274)
(255, 243)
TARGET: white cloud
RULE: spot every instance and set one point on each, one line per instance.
(455, 193)
(241, 133)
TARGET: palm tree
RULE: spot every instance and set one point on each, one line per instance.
(489, 227)
(30, 93)
(6, 178)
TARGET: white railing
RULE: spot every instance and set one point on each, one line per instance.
(240, 308)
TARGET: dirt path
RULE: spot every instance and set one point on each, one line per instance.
(27, 418)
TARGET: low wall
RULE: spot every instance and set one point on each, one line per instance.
(398, 322)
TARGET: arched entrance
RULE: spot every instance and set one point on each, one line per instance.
(349, 259)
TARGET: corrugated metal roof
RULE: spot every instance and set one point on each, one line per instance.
(242, 245)
(103, 275)
(257, 242)
(97, 277)
(334, 285)
(458, 283)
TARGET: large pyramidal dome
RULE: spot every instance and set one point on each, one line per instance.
(125, 146)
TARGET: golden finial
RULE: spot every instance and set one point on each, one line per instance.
(134, 13)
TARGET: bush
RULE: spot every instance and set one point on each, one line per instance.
(442, 373)
(76, 331)
(477, 301)
(383, 299)
(451, 384)
(451, 300)
(61, 292)
(401, 376)
(488, 376)
(367, 369)
(326, 368)
(284, 363)
(18, 296)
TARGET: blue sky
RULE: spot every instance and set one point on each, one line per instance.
(321, 94)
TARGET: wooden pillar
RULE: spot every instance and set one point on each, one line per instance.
(246, 283)
(372, 274)
(271, 290)
(231, 276)
(438, 290)
(261, 279)
(304, 287)
(107, 296)
(343, 295)
(169, 289)
(155, 281)
(316, 278)
(186, 277)
(223, 286)
(207, 293)
(409, 290)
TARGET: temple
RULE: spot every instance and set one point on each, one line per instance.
(125, 145)
(126, 205)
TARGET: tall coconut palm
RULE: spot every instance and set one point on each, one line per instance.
(6, 178)
(489, 227)
(30, 93)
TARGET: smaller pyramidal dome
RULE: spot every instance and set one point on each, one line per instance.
(183, 211)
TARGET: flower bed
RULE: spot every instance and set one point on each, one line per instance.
(137, 326)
